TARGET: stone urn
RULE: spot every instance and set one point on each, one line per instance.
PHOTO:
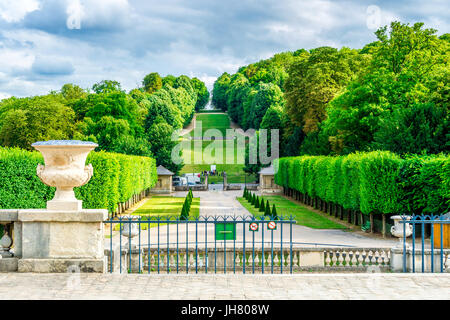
(64, 169)
(398, 228)
(130, 229)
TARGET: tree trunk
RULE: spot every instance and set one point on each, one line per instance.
(383, 231)
(371, 223)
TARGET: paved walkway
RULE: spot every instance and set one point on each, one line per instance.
(264, 287)
(224, 203)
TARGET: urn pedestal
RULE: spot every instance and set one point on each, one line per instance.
(64, 237)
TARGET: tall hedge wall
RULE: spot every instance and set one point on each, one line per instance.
(376, 182)
(116, 179)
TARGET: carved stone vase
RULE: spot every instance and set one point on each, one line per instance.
(400, 230)
(64, 169)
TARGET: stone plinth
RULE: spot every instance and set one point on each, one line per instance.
(53, 241)
(397, 260)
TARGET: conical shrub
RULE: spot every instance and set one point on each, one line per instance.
(261, 206)
(267, 211)
(257, 202)
(274, 213)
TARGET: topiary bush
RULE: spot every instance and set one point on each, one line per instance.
(116, 178)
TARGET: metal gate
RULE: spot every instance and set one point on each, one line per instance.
(214, 244)
(429, 255)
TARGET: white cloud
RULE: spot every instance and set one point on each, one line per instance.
(16, 10)
(98, 13)
(124, 40)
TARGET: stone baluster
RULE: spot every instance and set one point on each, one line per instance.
(353, 260)
(340, 258)
(328, 258)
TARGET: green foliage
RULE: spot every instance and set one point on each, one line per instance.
(262, 207)
(107, 86)
(152, 82)
(186, 209)
(268, 95)
(274, 214)
(27, 120)
(20, 187)
(379, 188)
(424, 181)
(409, 70)
(314, 79)
(160, 135)
(377, 182)
(422, 128)
(116, 179)
(267, 212)
(219, 98)
(202, 93)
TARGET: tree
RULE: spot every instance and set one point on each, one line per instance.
(422, 128)
(314, 80)
(202, 93)
(262, 207)
(219, 99)
(107, 86)
(72, 92)
(291, 143)
(267, 96)
(186, 83)
(152, 82)
(274, 213)
(169, 80)
(267, 209)
(27, 120)
(159, 134)
(160, 104)
(404, 71)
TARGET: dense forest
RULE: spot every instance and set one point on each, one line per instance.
(393, 94)
(139, 122)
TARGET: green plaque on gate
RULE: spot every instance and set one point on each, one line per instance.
(225, 231)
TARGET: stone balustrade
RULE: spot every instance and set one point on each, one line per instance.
(230, 259)
(10, 244)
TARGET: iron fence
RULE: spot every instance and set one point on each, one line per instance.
(433, 254)
(246, 244)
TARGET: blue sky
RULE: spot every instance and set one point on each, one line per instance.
(46, 43)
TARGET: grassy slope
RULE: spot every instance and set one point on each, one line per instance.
(302, 215)
(234, 171)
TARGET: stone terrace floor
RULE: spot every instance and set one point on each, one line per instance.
(220, 286)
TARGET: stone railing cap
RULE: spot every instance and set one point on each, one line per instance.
(8, 215)
(64, 143)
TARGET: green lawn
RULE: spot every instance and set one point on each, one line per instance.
(301, 214)
(217, 121)
(163, 206)
(232, 168)
(167, 206)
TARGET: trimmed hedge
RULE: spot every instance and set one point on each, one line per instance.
(117, 179)
(376, 182)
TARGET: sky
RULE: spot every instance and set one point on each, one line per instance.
(47, 43)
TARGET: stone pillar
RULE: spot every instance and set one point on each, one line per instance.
(53, 241)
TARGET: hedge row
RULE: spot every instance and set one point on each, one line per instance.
(376, 182)
(117, 179)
